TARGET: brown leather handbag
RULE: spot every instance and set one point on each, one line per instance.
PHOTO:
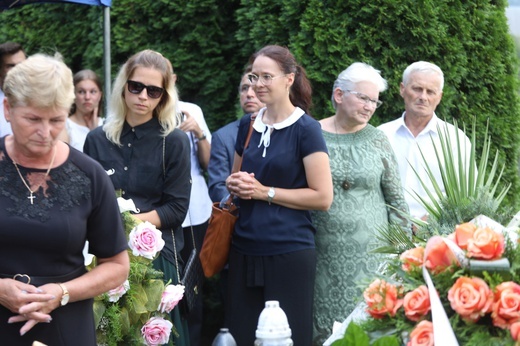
(217, 241)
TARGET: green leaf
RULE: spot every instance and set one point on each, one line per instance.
(387, 341)
(354, 336)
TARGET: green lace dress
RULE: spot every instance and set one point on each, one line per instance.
(366, 178)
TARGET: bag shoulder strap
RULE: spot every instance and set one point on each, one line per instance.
(248, 138)
(171, 229)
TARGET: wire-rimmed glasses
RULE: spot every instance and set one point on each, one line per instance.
(266, 79)
(365, 99)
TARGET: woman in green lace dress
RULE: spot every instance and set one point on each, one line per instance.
(366, 182)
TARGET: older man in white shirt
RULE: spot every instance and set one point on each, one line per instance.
(412, 133)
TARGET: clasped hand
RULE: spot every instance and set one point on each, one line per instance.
(244, 185)
(32, 304)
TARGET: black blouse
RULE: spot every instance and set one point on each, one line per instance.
(136, 170)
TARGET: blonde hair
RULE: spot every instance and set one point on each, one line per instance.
(40, 81)
(165, 111)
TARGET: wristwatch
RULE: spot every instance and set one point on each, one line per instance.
(65, 297)
(270, 195)
(203, 137)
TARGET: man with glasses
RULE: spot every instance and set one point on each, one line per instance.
(223, 145)
(412, 133)
(11, 53)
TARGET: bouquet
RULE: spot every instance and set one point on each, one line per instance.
(458, 289)
(137, 311)
(457, 280)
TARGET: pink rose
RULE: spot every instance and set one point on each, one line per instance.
(417, 303)
(515, 331)
(171, 296)
(471, 298)
(506, 308)
(145, 240)
(382, 299)
(438, 255)
(486, 244)
(463, 233)
(422, 335)
(156, 331)
(118, 292)
(412, 258)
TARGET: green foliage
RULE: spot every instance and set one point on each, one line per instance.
(210, 41)
(471, 185)
(356, 336)
(119, 323)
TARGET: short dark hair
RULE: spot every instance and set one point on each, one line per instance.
(9, 48)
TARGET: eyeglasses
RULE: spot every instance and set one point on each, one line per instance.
(266, 79)
(365, 99)
(153, 92)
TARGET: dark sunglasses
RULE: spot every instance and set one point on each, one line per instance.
(137, 87)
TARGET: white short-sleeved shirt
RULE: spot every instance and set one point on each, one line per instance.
(5, 127)
(200, 202)
(408, 150)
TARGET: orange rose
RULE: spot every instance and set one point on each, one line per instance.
(506, 307)
(437, 255)
(515, 331)
(463, 233)
(422, 335)
(412, 258)
(382, 299)
(471, 298)
(417, 303)
(486, 244)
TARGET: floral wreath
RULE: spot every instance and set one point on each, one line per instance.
(137, 312)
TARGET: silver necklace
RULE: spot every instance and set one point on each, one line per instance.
(31, 196)
(345, 184)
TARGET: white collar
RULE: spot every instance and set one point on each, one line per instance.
(266, 130)
(431, 126)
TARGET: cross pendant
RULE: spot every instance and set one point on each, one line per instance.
(31, 197)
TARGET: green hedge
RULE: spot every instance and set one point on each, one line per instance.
(209, 42)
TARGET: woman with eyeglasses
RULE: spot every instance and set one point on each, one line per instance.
(367, 188)
(85, 113)
(285, 173)
(148, 155)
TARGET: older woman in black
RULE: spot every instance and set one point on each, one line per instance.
(52, 200)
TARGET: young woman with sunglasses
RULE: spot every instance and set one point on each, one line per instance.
(285, 173)
(148, 155)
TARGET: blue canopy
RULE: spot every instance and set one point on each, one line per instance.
(5, 4)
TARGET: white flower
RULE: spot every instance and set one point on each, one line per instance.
(126, 205)
(118, 292)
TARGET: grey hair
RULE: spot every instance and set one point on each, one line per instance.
(355, 73)
(423, 67)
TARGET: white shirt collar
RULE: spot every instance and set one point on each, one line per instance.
(266, 130)
(431, 126)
